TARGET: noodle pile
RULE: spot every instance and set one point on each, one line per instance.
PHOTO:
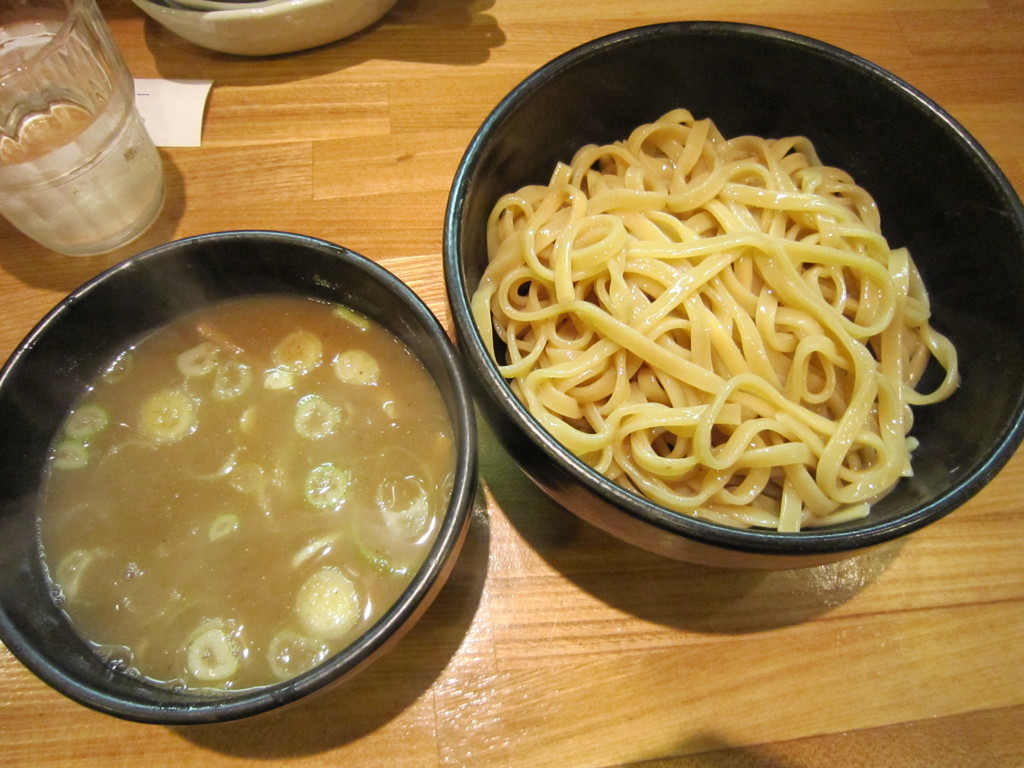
(718, 325)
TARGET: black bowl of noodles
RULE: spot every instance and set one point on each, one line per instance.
(248, 288)
(692, 333)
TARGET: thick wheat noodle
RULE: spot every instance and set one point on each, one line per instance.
(718, 325)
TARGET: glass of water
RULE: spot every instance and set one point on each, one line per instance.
(78, 171)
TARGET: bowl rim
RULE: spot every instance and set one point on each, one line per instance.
(251, 9)
(377, 638)
(810, 542)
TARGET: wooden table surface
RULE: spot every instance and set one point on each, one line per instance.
(552, 644)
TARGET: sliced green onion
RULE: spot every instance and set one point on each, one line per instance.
(290, 654)
(382, 551)
(223, 525)
(70, 454)
(71, 570)
(212, 654)
(232, 380)
(315, 418)
(359, 321)
(320, 545)
(405, 507)
(200, 360)
(379, 546)
(394, 539)
(299, 352)
(86, 421)
(224, 470)
(168, 416)
(327, 486)
(355, 366)
(328, 604)
(246, 477)
(247, 421)
(278, 378)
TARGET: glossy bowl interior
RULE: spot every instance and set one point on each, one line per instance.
(51, 368)
(939, 193)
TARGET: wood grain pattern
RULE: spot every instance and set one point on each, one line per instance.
(553, 645)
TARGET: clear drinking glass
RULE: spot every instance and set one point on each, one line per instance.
(78, 171)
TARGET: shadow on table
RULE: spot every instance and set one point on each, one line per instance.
(664, 591)
(452, 32)
(709, 750)
(378, 694)
(39, 267)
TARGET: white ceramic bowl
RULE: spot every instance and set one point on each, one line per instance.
(270, 27)
(217, 5)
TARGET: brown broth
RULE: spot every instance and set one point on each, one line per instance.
(217, 550)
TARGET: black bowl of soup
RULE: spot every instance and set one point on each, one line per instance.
(739, 297)
(237, 468)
